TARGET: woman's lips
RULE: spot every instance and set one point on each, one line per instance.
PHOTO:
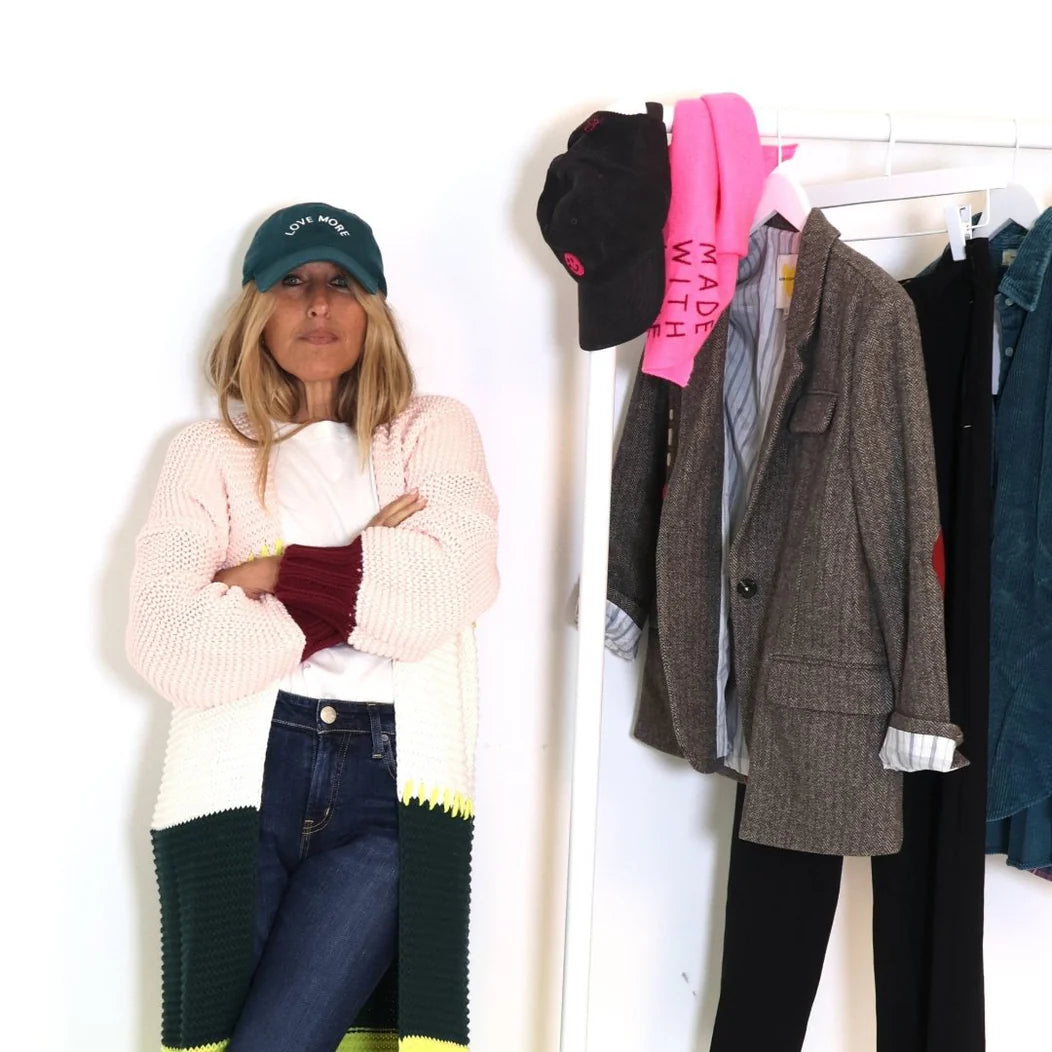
(321, 336)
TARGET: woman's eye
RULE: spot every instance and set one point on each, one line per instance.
(291, 280)
(340, 282)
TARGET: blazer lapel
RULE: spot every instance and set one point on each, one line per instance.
(816, 242)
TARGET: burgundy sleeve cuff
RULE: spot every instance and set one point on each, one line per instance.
(319, 588)
(319, 633)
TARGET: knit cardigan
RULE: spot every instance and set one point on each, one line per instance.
(218, 656)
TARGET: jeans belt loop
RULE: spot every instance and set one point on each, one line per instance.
(377, 732)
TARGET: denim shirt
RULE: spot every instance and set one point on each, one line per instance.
(1020, 747)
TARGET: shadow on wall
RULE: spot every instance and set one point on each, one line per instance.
(112, 619)
(717, 808)
(212, 321)
(716, 826)
(547, 852)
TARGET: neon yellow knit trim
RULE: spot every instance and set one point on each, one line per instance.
(429, 1044)
(456, 804)
(369, 1041)
(217, 1047)
(265, 552)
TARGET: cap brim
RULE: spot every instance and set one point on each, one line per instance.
(624, 306)
(280, 267)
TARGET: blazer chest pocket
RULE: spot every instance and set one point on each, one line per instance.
(813, 413)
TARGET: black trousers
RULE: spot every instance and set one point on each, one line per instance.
(780, 909)
(928, 899)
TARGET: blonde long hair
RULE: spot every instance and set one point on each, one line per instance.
(240, 367)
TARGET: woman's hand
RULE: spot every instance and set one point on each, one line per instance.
(399, 510)
(255, 578)
(259, 577)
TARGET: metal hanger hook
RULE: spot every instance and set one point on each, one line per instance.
(778, 132)
(891, 144)
(1015, 151)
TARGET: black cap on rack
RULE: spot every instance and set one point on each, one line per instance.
(602, 212)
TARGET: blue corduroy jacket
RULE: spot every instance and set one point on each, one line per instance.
(1020, 748)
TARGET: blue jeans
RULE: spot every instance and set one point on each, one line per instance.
(327, 898)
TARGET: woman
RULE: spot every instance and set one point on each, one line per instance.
(304, 592)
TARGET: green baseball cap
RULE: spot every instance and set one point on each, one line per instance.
(310, 232)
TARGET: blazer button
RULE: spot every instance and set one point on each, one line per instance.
(746, 588)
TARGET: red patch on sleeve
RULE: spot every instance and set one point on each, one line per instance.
(938, 561)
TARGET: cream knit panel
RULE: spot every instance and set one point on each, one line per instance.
(214, 759)
(467, 665)
(200, 643)
(429, 578)
(436, 714)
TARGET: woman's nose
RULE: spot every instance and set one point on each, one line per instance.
(318, 302)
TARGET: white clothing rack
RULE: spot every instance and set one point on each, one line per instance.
(779, 124)
(919, 129)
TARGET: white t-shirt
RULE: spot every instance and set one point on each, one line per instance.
(326, 498)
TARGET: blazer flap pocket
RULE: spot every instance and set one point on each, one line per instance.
(827, 686)
(813, 412)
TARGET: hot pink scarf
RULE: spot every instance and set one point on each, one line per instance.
(718, 170)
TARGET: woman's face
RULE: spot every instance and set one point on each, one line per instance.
(317, 330)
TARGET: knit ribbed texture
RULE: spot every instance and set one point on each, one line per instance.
(187, 635)
(218, 657)
(434, 862)
(319, 633)
(319, 588)
(206, 875)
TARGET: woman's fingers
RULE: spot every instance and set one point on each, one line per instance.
(403, 513)
(399, 509)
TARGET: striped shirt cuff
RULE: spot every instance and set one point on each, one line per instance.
(914, 751)
(622, 633)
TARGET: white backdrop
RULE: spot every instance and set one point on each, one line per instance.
(144, 143)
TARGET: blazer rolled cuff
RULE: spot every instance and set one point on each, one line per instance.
(921, 745)
(622, 633)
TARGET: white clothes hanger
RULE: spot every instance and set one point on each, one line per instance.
(1012, 203)
(939, 182)
(782, 194)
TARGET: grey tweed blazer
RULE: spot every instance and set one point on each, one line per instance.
(836, 609)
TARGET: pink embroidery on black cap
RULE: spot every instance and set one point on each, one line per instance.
(591, 124)
(574, 265)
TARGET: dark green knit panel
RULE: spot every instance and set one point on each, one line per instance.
(433, 902)
(380, 1012)
(206, 875)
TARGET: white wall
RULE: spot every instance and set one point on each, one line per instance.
(143, 143)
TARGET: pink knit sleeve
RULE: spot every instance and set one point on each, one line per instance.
(430, 577)
(198, 642)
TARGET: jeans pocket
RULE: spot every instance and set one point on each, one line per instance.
(390, 761)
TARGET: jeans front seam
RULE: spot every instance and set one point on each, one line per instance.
(309, 826)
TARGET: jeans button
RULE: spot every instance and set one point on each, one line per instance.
(328, 714)
(746, 588)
